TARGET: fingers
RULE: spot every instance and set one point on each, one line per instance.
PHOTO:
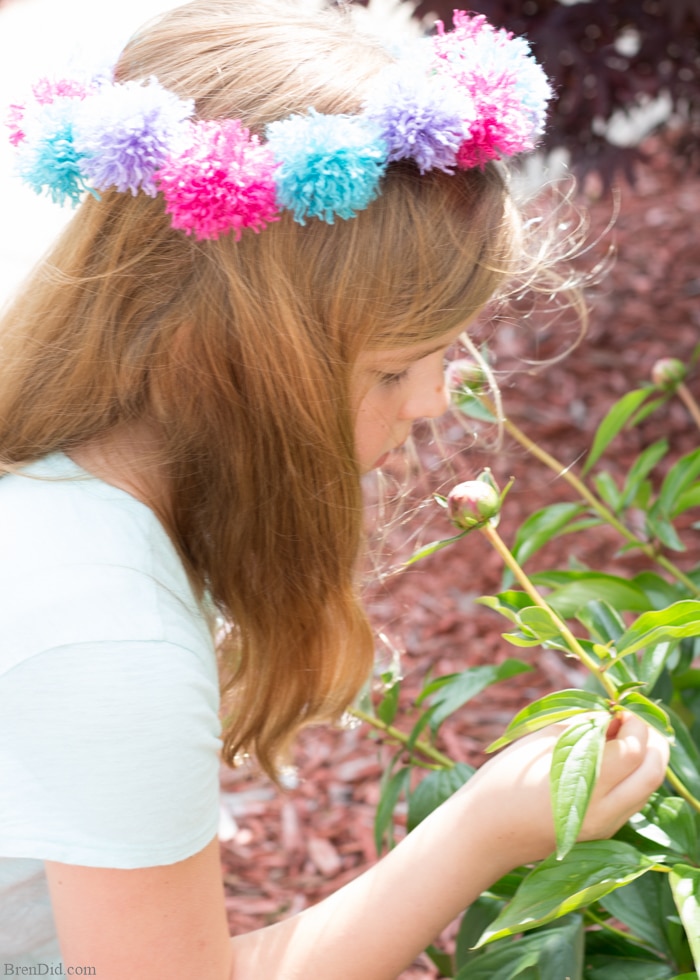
(634, 765)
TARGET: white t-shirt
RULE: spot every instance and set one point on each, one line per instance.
(109, 728)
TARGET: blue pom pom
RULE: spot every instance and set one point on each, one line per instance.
(50, 161)
(329, 165)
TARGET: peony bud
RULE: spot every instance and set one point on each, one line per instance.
(464, 374)
(668, 373)
(472, 504)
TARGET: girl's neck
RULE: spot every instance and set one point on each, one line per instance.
(129, 458)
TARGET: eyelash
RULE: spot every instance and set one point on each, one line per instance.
(392, 379)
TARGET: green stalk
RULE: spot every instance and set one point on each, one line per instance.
(443, 761)
(500, 546)
(595, 504)
(682, 791)
(686, 397)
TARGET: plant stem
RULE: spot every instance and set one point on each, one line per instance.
(418, 746)
(575, 647)
(600, 508)
(682, 791)
(686, 397)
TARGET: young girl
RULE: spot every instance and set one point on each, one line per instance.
(283, 228)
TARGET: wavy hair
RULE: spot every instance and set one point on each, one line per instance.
(241, 354)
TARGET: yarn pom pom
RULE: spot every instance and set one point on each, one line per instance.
(44, 92)
(223, 180)
(48, 160)
(13, 121)
(419, 119)
(329, 165)
(126, 131)
(507, 86)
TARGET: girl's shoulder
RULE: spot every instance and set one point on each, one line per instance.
(83, 561)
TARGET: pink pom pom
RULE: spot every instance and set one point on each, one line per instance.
(45, 91)
(15, 116)
(223, 180)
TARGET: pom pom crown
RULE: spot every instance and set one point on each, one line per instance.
(471, 95)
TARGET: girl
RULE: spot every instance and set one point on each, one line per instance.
(284, 229)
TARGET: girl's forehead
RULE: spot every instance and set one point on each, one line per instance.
(415, 351)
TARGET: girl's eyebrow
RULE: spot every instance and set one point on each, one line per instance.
(412, 358)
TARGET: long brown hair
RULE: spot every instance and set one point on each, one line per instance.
(241, 353)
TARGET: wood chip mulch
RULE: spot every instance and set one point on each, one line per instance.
(286, 850)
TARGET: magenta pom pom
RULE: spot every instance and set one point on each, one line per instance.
(222, 181)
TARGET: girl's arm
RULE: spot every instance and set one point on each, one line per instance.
(170, 921)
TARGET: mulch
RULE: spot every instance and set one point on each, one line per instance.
(286, 850)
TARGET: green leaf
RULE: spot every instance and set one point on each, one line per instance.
(434, 789)
(551, 954)
(430, 549)
(383, 818)
(614, 422)
(643, 906)
(388, 706)
(590, 871)
(472, 406)
(540, 623)
(659, 592)
(443, 961)
(575, 767)
(653, 661)
(669, 822)
(685, 885)
(641, 468)
(652, 713)
(541, 527)
(617, 968)
(659, 528)
(679, 478)
(602, 620)
(454, 690)
(477, 917)
(607, 490)
(574, 590)
(508, 603)
(685, 758)
(680, 619)
(687, 499)
(547, 710)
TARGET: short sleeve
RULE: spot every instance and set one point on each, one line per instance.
(111, 751)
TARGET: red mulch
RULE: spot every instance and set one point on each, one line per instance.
(288, 850)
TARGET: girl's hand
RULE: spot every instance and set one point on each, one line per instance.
(513, 789)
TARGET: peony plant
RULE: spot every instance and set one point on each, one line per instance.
(622, 908)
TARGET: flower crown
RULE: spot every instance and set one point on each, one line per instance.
(462, 98)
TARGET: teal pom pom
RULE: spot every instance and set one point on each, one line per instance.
(49, 160)
(328, 165)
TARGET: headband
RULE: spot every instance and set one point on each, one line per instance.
(454, 101)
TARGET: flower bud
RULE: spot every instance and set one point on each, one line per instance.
(464, 374)
(472, 503)
(668, 373)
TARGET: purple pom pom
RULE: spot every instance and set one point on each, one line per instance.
(419, 120)
(126, 131)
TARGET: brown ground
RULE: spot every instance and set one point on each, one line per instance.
(290, 849)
